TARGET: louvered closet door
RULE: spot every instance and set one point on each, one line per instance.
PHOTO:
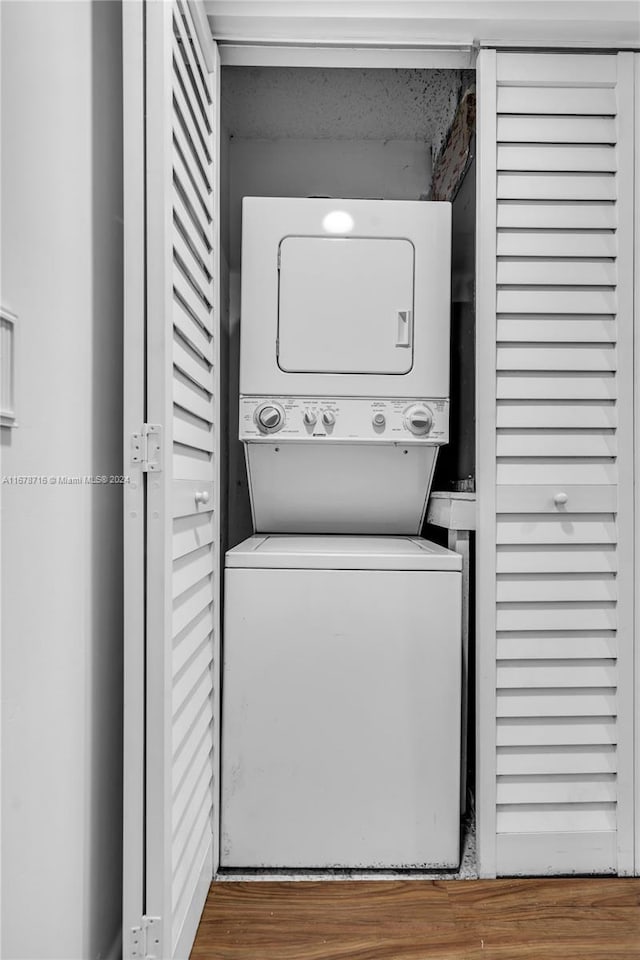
(555, 442)
(182, 506)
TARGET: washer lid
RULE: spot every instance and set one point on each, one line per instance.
(284, 551)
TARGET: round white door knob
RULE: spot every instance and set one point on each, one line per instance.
(418, 419)
(202, 496)
(310, 417)
(328, 418)
(269, 418)
(560, 499)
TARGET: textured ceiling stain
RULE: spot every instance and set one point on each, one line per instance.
(272, 103)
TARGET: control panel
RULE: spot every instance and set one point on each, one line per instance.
(342, 419)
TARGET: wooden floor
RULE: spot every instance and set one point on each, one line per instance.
(575, 919)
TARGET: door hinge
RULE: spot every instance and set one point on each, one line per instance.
(145, 940)
(146, 447)
(279, 257)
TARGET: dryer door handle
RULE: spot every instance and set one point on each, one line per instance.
(405, 328)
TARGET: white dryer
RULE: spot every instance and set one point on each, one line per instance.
(341, 704)
(344, 361)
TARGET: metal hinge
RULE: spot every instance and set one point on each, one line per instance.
(146, 447)
(145, 940)
(279, 257)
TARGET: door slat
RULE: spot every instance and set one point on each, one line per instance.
(586, 157)
(523, 185)
(581, 273)
(543, 129)
(563, 100)
(555, 243)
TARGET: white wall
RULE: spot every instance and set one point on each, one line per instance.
(61, 545)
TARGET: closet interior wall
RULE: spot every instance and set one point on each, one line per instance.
(297, 132)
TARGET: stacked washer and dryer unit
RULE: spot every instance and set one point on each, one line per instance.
(341, 668)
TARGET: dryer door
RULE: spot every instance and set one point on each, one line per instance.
(345, 305)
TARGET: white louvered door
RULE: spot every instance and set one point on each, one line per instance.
(178, 787)
(555, 463)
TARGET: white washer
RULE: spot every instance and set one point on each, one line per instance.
(341, 703)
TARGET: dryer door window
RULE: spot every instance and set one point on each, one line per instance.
(345, 305)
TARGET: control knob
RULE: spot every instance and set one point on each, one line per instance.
(310, 417)
(379, 420)
(328, 418)
(418, 419)
(269, 418)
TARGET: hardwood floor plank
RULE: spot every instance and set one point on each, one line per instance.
(555, 919)
(347, 904)
(495, 897)
(441, 942)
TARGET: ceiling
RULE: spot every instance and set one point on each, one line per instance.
(272, 103)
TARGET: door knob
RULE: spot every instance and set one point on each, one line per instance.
(560, 499)
(202, 496)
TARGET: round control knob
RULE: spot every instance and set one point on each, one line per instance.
(560, 499)
(269, 418)
(328, 418)
(419, 420)
(310, 417)
(379, 420)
